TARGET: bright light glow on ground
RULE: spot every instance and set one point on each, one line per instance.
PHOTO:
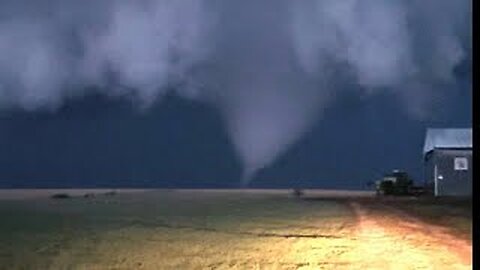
(168, 230)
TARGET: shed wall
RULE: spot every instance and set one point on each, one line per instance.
(454, 182)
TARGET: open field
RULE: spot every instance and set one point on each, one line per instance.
(194, 229)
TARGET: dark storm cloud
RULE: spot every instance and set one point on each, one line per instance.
(128, 48)
(270, 67)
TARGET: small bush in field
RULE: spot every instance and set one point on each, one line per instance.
(60, 196)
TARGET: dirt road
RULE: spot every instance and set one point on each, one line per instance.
(392, 239)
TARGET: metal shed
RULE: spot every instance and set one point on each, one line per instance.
(448, 161)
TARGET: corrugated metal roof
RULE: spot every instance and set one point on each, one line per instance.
(447, 138)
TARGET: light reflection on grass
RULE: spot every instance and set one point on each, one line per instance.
(168, 230)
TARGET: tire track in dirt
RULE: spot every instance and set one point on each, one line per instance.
(163, 224)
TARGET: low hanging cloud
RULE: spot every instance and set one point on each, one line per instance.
(125, 48)
(270, 67)
(408, 47)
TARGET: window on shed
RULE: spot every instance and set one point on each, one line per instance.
(461, 164)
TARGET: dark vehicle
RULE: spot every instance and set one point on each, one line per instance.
(395, 183)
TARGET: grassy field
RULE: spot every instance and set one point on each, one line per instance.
(193, 230)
